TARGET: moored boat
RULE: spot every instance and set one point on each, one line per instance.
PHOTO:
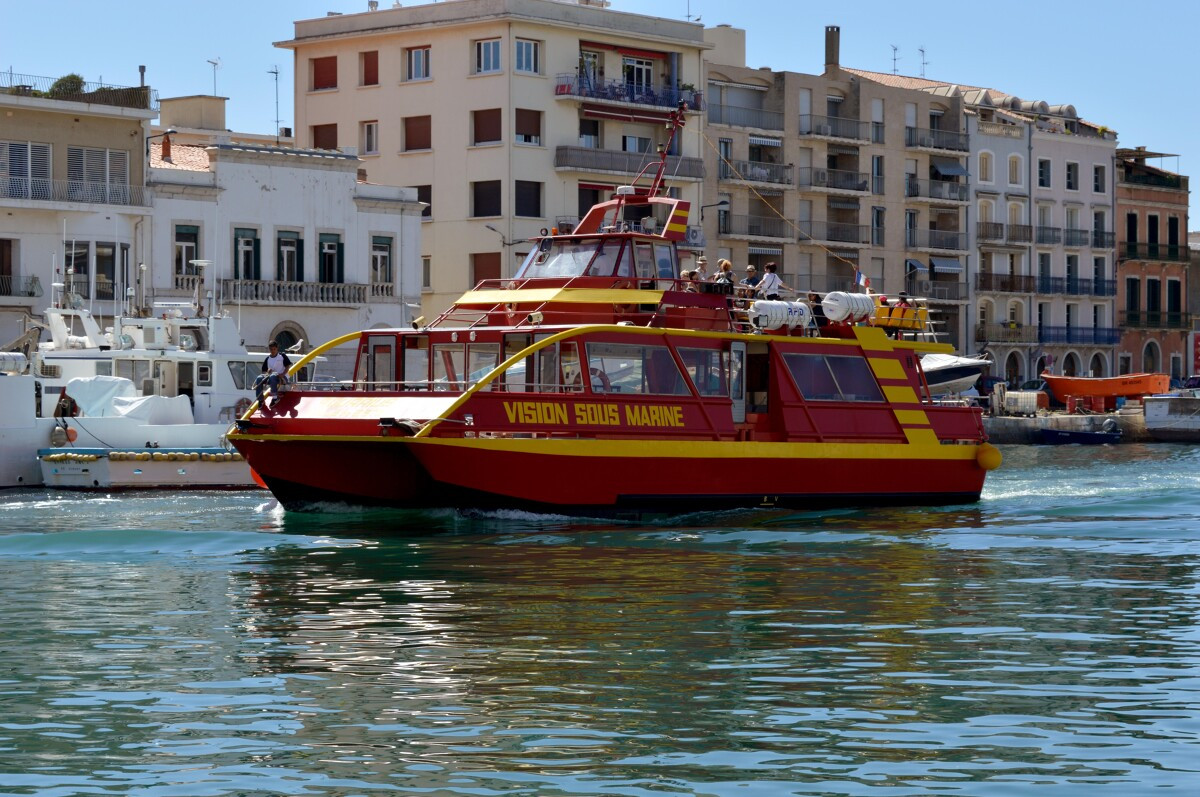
(1175, 416)
(597, 383)
(1107, 387)
(950, 373)
(1108, 434)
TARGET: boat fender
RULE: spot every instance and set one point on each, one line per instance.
(988, 456)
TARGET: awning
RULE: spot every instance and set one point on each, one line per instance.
(606, 112)
(946, 264)
(948, 167)
(732, 85)
(844, 254)
(763, 141)
(914, 265)
(834, 98)
(838, 149)
(765, 250)
(844, 204)
(597, 186)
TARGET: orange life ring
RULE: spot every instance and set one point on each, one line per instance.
(602, 378)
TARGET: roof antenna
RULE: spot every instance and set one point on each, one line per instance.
(275, 71)
(895, 58)
(924, 63)
(216, 62)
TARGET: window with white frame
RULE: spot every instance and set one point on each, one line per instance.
(369, 138)
(1043, 172)
(638, 73)
(1014, 170)
(487, 56)
(426, 273)
(381, 259)
(25, 169)
(288, 263)
(985, 167)
(246, 254)
(187, 248)
(635, 144)
(1099, 179)
(416, 63)
(98, 175)
(1072, 176)
(528, 59)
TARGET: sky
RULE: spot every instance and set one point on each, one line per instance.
(1128, 66)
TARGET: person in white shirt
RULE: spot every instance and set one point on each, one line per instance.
(274, 372)
(770, 285)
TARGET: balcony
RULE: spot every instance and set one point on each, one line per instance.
(1157, 180)
(1049, 235)
(944, 290)
(1075, 237)
(1103, 240)
(1000, 129)
(28, 287)
(1088, 336)
(757, 227)
(1011, 332)
(935, 190)
(1019, 234)
(833, 232)
(757, 172)
(74, 191)
(942, 240)
(137, 97)
(1005, 283)
(1169, 253)
(279, 292)
(736, 116)
(586, 159)
(834, 127)
(989, 231)
(1155, 319)
(833, 180)
(618, 91)
(922, 138)
(1076, 286)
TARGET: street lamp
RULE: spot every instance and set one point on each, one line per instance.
(163, 135)
(503, 240)
(724, 203)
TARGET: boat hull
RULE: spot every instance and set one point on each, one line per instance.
(606, 478)
(1069, 437)
(1173, 418)
(1124, 386)
(146, 469)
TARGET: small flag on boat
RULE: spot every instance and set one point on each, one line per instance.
(862, 279)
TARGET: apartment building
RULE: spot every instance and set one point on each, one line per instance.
(507, 116)
(1152, 266)
(832, 174)
(71, 190)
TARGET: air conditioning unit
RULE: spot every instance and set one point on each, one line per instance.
(820, 177)
(825, 130)
(925, 141)
(695, 236)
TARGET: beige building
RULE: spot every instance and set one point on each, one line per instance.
(832, 174)
(508, 116)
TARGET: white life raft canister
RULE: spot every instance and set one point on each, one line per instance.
(776, 314)
(851, 307)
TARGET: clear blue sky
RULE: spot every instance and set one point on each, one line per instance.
(1136, 77)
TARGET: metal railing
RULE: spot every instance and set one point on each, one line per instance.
(936, 239)
(834, 127)
(1005, 283)
(839, 179)
(1019, 234)
(1049, 235)
(1103, 240)
(998, 129)
(757, 226)
(20, 286)
(1077, 286)
(989, 231)
(621, 91)
(1010, 332)
(609, 160)
(1094, 336)
(39, 189)
(1155, 319)
(1157, 180)
(1076, 237)
(836, 232)
(736, 116)
(1172, 253)
(757, 171)
(70, 90)
(293, 293)
(935, 139)
(935, 189)
(949, 290)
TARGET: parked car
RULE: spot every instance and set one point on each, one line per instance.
(1040, 384)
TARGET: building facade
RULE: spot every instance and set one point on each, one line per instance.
(507, 116)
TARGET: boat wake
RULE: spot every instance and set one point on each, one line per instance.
(146, 543)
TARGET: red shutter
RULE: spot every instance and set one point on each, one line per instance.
(370, 67)
(487, 126)
(324, 72)
(485, 266)
(417, 133)
(324, 136)
(529, 123)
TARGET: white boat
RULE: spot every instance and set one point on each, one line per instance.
(1174, 416)
(949, 373)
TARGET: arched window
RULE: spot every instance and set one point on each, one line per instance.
(1015, 172)
(1098, 367)
(985, 167)
(985, 210)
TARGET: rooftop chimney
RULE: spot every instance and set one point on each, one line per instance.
(166, 148)
(833, 39)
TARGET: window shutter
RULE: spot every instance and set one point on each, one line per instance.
(118, 167)
(4, 168)
(257, 261)
(324, 73)
(324, 136)
(299, 260)
(529, 124)
(371, 68)
(417, 133)
(485, 266)
(341, 262)
(279, 258)
(40, 170)
(75, 163)
(487, 126)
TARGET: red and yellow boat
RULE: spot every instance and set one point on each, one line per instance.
(597, 383)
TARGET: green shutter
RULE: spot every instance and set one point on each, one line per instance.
(341, 262)
(257, 259)
(299, 259)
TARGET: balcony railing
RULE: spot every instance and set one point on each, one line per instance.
(73, 191)
(140, 97)
(999, 129)
(839, 179)
(935, 139)
(292, 293)
(587, 159)
(20, 286)
(620, 91)
(1019, 234)
(1011, 332)
(1103, 240)
(1077, 286)
(989, 231)
(1005, 283)
(1049, 235)
(936, 239)
(1172, 253)
(949, 290)
(1075, 237)
(736, 116)
(1093, 336)
(935, 189)
(833, 231)
(834, 127)
(1154, 319)
(756, 171)
(1157, 180)
(757, 226)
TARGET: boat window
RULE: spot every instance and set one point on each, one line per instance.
(448, 361)
(604, 263)
(665, 259)
(635, 368)
(137, 370)
(482, 359)
(103, 368)
(568, 355)
(381, 366)
(516, 376)
(561, 259)
(833, 377)
(708, 369)
(204, 374)
(645, 261)
(547, 370)
(416, 362)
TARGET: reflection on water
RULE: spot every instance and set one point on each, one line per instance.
(1045, 636)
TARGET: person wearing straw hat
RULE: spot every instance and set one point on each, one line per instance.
(702, 268)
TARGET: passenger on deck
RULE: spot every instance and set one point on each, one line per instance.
(702, 268)
(747, 286)
(693, 280)
(770, 285)
(274, 373)
(814, 303)
(724, 273)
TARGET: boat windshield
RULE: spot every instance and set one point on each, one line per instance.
(571, 258)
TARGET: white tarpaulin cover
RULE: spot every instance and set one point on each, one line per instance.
(155, 410)
(95, 394)
(113, 396)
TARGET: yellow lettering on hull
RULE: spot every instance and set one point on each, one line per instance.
(550, 413)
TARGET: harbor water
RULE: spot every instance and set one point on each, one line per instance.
(1043, 640)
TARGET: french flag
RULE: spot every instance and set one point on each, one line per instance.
(862, 280)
